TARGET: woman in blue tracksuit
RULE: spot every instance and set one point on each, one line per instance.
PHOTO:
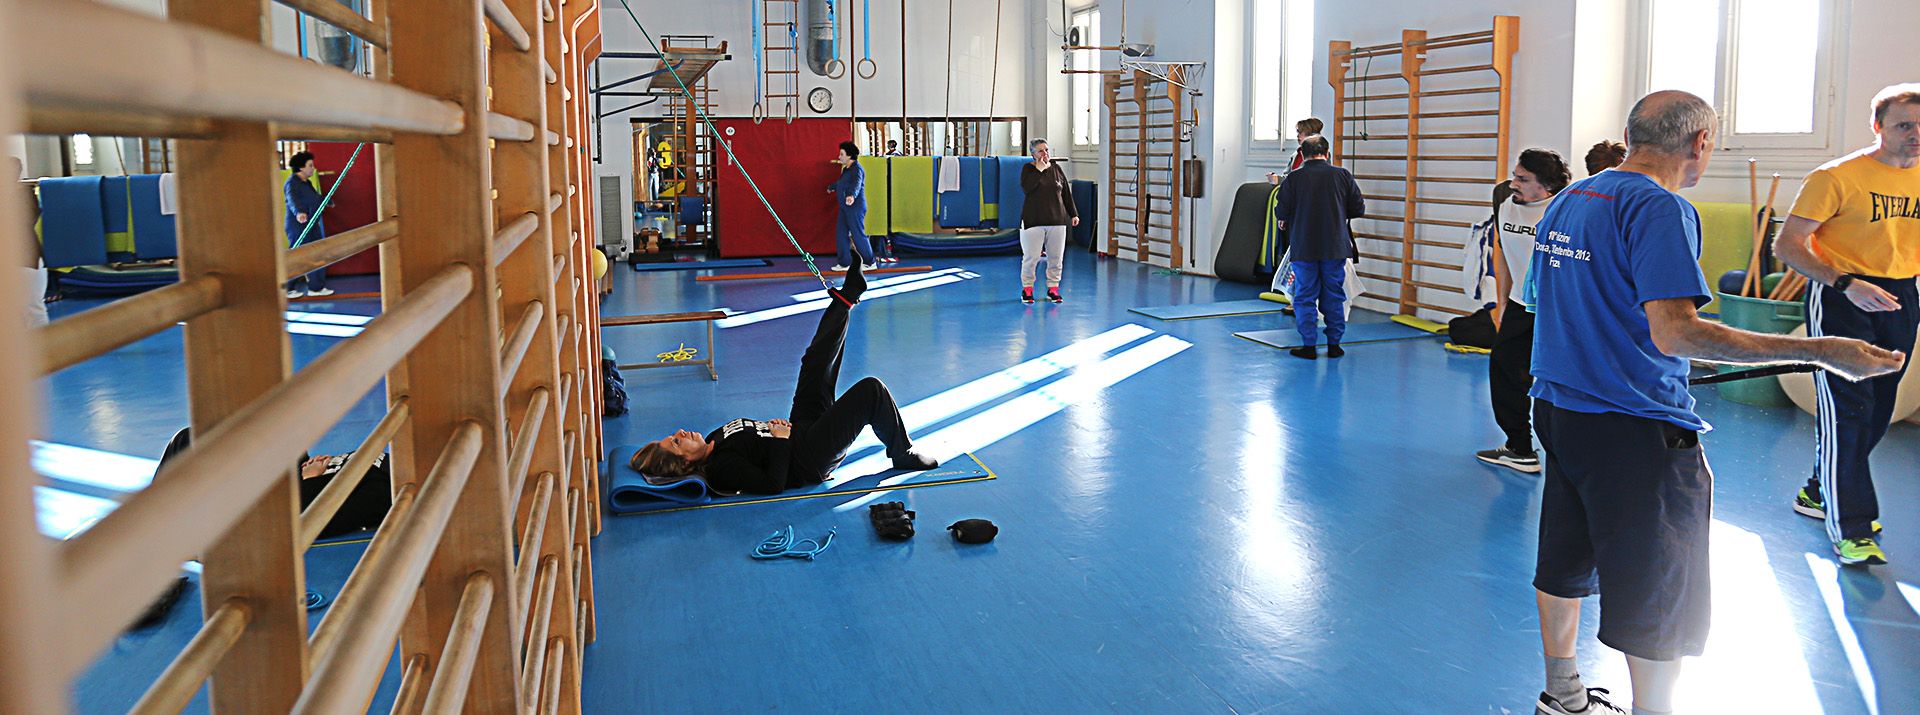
(850, 230)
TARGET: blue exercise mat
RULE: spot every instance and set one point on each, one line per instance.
(1012, 198)
(1289, 338)
(1211, 310)
(113, 203)
(154, 233)
(990, 191)
(961, 209)
(703, 265)
(1002, 241)
(72, 222)
(630, 492)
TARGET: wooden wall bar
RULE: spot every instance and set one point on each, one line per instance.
(442, 579)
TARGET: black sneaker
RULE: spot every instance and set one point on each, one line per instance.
(1335, 351)
(1026, 296)
(1528, 462)
(1305, 352)
(1597, 704)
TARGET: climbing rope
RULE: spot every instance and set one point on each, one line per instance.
(702, 114)
(759, 75)
(993, 87)
(947, 126)
(328, 199)
(793, 77)
(866, 68)
(781, 544)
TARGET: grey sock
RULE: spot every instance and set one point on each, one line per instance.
(1563, 683)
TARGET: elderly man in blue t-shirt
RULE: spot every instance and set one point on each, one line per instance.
(1628, 496)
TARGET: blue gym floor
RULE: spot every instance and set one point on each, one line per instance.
(1190, 523)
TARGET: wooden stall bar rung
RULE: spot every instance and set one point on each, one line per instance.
(521, 453)
(338, 247)
(540, 615)
(347, 673)
(183, 677)
(114, 568)
(314, 519)
(531, 538)
(503, 127)
(448, 693)
(1456, 70)
(516, 348)
(328, 632)
(509, 237)
(502, 17)
(192, 71)
(86, 335)
(339, 15)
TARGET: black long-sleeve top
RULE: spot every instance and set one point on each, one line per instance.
(1049, 197)
(747, 458)
(1316, 201)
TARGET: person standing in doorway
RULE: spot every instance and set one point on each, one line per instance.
(1537, 178)
(850, 227)
(1854, 231)
(1044, 220)
(303, 217)
(1313, 208)
(1628, 498)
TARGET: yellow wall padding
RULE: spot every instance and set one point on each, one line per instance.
(912, 198)
(878, 195)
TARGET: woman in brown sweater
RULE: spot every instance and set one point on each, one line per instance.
(1044, 220)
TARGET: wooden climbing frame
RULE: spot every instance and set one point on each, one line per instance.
(1145, 143)
(480, 574)
(1443, 150)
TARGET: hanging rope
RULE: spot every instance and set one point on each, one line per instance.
(793, 76)
(906, 146)
(759, 75)
(947, 126)
(866, 67)
(328, 199)
(993, 88)
(702, 114)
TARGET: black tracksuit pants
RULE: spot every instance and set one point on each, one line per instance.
(824, 426)
(1510, 376)
(1853, 416)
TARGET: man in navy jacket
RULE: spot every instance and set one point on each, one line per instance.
(1315, 203)
(303, 207)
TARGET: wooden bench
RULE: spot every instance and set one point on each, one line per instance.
(663, 318)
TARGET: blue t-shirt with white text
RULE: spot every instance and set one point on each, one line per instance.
(1607, 245)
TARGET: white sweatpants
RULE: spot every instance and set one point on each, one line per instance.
(35, 288)
(1054, 238)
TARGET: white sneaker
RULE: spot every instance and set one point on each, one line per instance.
(321, 292)
(837, 268)
(869, 266)
(295, 294)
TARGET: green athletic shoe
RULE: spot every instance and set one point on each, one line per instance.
(1860, 551)
(1806, 505)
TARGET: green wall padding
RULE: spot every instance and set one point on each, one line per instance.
(878, 195)
(912, 199)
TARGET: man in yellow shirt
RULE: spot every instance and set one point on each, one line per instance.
(1855, 231)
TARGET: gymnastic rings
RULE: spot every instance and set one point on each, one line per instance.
(836, 69)
(866, 68)
(791, 112)
(759, 113)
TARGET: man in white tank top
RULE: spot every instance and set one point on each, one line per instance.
(1539, 175)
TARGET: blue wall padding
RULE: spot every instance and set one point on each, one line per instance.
(1012, 199)
(990, 193)
(73, 230)
(113, 203)
(1086, 205)
(153, 233)
(961, 209)
(693, 210)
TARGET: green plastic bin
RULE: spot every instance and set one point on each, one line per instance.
(1761, 316)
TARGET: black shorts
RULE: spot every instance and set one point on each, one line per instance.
(1625, 513)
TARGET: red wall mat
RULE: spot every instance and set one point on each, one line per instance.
(792, 164)
(353, 205)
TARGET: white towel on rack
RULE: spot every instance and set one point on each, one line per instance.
(169, 194)
(949, 174)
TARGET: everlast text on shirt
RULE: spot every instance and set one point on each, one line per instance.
(1886, 207)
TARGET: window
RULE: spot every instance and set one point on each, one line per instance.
(1087, 87)
(83, 150)
(1760, 62)
(1282, 45)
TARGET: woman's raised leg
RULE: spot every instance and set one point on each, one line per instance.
(820, 365)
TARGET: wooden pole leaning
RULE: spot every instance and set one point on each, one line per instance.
(446, 183)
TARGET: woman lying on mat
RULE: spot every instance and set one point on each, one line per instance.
(365, 506)
(771, 456)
